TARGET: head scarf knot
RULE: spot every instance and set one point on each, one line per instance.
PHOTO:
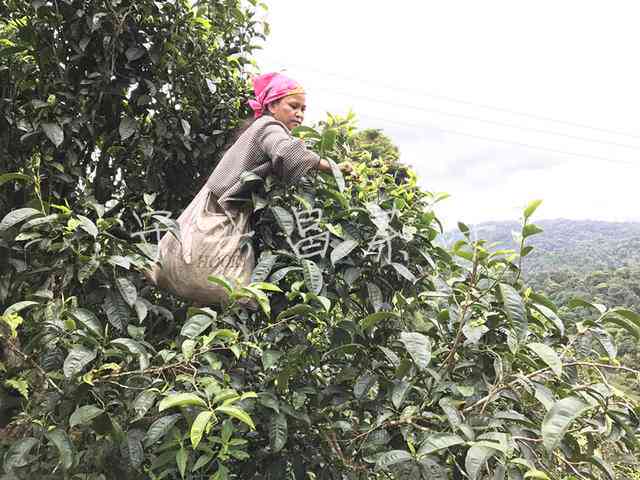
(270, 87)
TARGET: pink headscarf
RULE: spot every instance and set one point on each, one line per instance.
(270, 87)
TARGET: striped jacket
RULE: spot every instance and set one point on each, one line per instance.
(265, 148)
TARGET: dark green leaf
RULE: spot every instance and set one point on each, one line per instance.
(418, 346)
(363, 384)
(117, 310)
(19, 306)
(78, 357)
(515, 310)
(196, 325)
(88, 226)
(89, 320)
(342, 250)
(548, 356)
(439, 441)
(65, 449)
(557, 420)
(134, 53)
(551, 316)
(128, 127)
(280, 274)
(182, 457)
(404, 272)
(399, 392)
(13, 218)
(372, 320)
(375, 296)
(84, 415)
(277, 432)
(284, 219)
(54, 132)
(8, 177)
(312, 276)
(17, 455)
(337, 175)
(159, 428)
(263, 268)
(477, 456)
(393, 457)
(127, 290)
(270, 358)
(143, 402)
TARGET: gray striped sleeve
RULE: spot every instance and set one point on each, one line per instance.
(290, 158)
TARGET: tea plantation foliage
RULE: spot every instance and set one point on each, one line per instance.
(372, 353)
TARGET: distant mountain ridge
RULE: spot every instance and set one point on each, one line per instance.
(578, 245)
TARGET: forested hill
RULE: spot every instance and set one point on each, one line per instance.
(578, 245)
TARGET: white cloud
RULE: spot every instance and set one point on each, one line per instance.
(394, 63)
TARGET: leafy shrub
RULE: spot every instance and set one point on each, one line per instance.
(410, 360)
(373, 353)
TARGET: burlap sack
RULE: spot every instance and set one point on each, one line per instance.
(210, 243)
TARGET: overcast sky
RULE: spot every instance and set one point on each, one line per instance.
(467, 89)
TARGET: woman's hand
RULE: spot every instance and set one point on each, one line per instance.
(346, 168)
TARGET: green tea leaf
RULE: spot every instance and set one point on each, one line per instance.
(284, 219)
(54, 132)
(117, 310)
(373, 319)
(62, 443)
(127, 290)
(222, 282)
(393, 457)
(199, 426)
(548, 355)
(14, 217)
(342, 250)
(528, 211)
(160, 428)
(515, 310)
(196, 325)
(181, 400)
(84, 415)
(128, 127)
(264, 267)
(143, 402)
(78, 358)
(8, 177)
(363, 384)
(88, 320)
(312, 276)
(238, 413)
(277, 432)
(476, 457)
(439, 441)
(17, 455)
(418, 346)
(557, 420)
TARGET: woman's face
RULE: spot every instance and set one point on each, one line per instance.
(289, 110)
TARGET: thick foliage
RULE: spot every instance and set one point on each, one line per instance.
(113, 98)
(373, 352)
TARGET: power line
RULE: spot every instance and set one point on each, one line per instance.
(478, 119)
(396, 88)
(519, 144)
